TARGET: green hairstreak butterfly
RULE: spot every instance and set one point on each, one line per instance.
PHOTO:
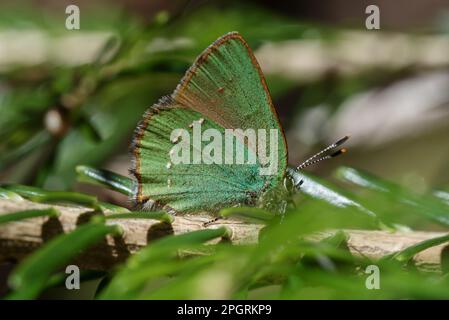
(204, 147)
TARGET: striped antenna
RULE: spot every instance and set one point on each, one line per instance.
(317, 157)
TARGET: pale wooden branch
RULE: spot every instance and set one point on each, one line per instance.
(17, 239)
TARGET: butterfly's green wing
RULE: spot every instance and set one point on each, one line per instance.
(225, 86)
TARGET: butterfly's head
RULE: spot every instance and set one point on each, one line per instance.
(278, 198)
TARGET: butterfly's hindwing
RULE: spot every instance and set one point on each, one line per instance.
(187, 187)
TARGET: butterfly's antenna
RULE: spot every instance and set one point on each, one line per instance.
(316, 157)
(336, 153)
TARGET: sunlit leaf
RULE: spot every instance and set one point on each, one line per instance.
(423, 204)
(7, 194)
(106, 178)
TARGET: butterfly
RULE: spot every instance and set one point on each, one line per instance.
(224, 89)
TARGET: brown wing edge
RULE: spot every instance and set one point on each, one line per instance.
(204, 56)
(138, 200)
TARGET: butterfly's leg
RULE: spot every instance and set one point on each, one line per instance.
(283, 212)
(289, 201)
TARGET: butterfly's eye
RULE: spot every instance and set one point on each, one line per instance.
(288, 184)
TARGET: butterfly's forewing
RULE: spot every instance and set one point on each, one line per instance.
(225, 87)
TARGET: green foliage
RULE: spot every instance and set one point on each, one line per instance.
(409, 252)
(39, 195)
(155, 261)
(105, 178)
(285, 264)
(32, 275)
(386, 195)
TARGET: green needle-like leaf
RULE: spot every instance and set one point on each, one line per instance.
(181, 241)
(40, 195)
(324, 191)
(409, 252)
(442, 195)
(31, 276)
(424, 204)
(106, 178)
(7, 194)
(59, 279)
(111, 207)
(34, 143)
(362, 179)
(337, 239)
(63, 196)
(27, 214)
